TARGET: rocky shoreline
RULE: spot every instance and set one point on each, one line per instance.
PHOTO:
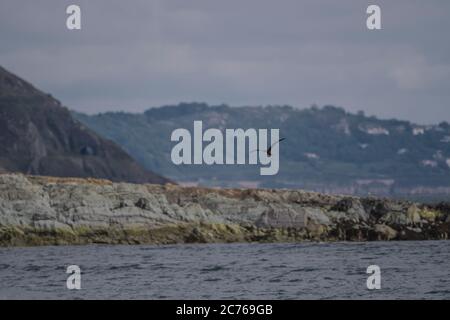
(38, 210)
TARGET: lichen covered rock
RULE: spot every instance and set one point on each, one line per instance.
(45, 210)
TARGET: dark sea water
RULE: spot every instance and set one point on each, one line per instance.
(417, 270)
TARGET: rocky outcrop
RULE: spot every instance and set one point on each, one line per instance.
(45, 210)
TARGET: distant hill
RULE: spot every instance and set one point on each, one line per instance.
(39, 136)
(327, 149)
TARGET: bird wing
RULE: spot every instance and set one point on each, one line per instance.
(268, 150)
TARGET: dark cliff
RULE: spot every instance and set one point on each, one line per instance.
(39, 136)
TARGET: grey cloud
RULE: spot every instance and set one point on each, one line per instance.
(137, 54)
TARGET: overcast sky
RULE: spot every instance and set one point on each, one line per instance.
(132, 55)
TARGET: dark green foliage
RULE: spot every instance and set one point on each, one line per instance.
(347, 151)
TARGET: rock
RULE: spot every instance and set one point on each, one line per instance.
(443, 208)
(282, 218)
(394, 218)
(142, 203)
(401, 215)
(428, 214)
(46, 210)
(382, 208)
(385, 232)
(353, 209)
(417, 230)
(413, 215)
(315, 215)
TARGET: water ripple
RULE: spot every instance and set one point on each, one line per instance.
(410, 270)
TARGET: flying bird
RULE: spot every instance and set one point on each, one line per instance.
(269, 151)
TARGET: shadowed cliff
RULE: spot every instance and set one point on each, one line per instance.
(39, 136)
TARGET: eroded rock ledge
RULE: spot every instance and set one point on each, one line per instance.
(46, 210)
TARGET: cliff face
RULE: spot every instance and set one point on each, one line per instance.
(45, 210)
(39, 136)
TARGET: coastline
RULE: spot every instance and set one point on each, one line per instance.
(37, 210)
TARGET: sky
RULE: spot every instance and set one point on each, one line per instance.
(137, 54)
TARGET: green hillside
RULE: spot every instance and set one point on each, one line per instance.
(327, 149)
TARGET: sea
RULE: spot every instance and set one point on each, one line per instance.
(405, 270)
